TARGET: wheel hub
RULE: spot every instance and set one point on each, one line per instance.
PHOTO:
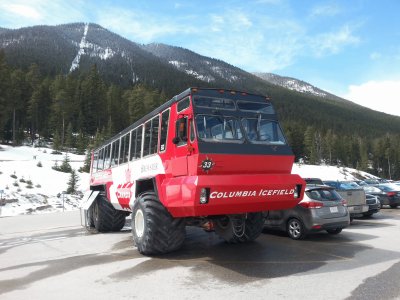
(294, 229)
(139, 223)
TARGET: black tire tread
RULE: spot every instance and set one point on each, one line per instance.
(109, 218)
(162, 233)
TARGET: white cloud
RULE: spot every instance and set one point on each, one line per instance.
(262, 44)
(327, 10)
(23, 11)
(382, 96)
(140, 27)
(334, 42)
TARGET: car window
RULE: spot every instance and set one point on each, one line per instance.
(323, 195)
(371, 189)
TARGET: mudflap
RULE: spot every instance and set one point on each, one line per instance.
(87, 201)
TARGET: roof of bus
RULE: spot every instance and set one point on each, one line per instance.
(176, 98)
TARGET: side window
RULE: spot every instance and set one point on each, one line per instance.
(124, 155)
(183, 104)
(192, 135)
(181, 131)
(95, 159)
(133, 145)
(164, 130)
(147, 138)
(136, 143)
(139, 137)
(100, 162)
(150, 136)
(107, 158)
(114, 153)
(124, 152)
(155, 123)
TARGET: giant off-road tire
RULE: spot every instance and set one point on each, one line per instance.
(239, 229)
(104, 216)
(154, 230)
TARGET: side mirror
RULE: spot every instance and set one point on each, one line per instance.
(176, 140)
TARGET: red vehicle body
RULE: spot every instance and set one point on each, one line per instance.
(207, 157)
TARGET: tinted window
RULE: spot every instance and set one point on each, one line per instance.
(164, 130)
(136, 143)
(182, 105)
(107, 158)
(214, 103)
(323, 195)
(192, 135)
(154, 135)
(95, 159)
(124, 155)
(115, 153)
(150, 136)
(100, 162)
(258, 107)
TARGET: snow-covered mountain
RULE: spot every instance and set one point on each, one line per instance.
(296, 85)
(203, 68)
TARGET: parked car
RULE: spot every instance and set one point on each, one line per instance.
(374, 205)
(367, 181)
(313, 181)
(373, 190)
(353, 194)
(392, 197)
(322, 208)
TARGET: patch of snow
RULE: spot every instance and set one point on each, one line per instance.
(177, 64)
(45, 192)
(302, 88)
(81, 51)
(329, 172)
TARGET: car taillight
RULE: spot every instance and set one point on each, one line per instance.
(344, 202)
(391, 194)
(311, 204)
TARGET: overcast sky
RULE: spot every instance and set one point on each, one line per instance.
(349, 48)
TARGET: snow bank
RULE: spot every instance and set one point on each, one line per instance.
(26, 188)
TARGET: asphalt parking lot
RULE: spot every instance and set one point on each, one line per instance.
(48, 256)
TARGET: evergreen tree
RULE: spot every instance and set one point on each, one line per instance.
(65, 166)
(4, 94)
(69, 137)
(87, 163)
(56, 142)
(310, 145)
(92, 101)
(135, 99)
(73, 183)
(81, 143)
(19, 96)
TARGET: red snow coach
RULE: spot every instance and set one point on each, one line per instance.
(212, 158)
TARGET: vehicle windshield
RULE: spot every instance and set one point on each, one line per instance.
(218, 128)
(389, 187)
(263, 131)
(237, 121)
(371, 189)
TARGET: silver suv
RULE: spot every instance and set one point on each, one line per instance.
(322, 208)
